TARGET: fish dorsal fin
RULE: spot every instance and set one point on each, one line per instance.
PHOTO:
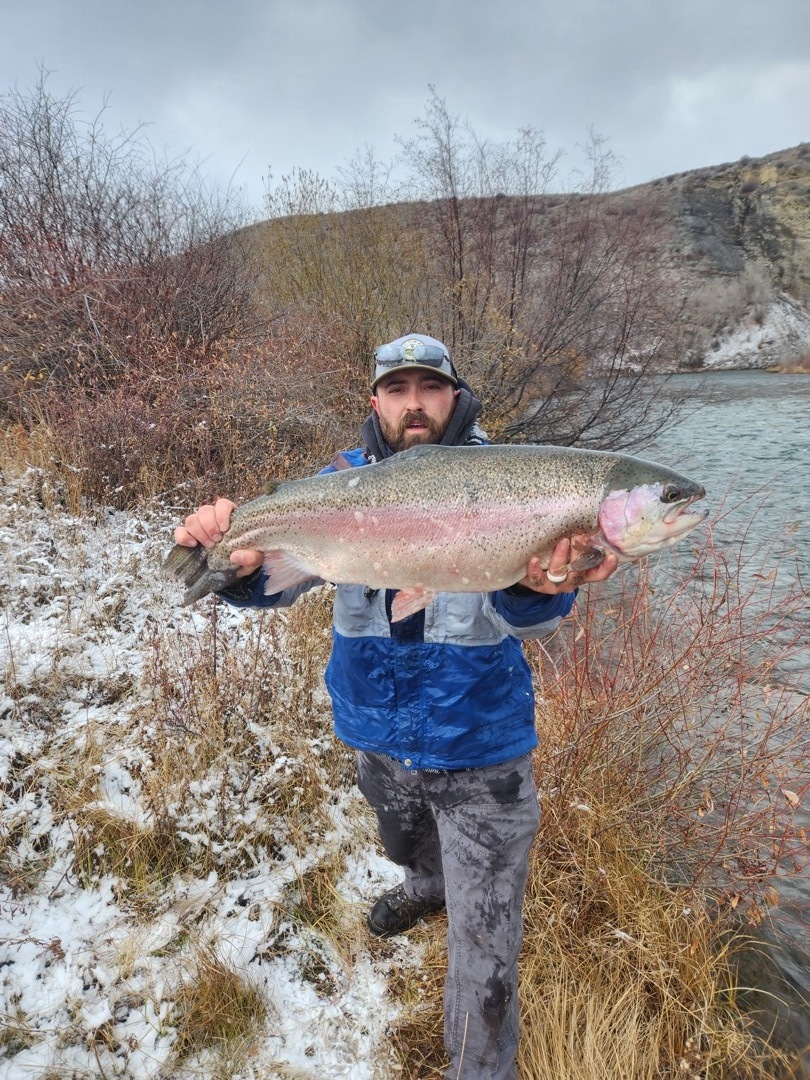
(269, 486)
(283, 572)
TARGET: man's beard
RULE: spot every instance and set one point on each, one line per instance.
(399, 438)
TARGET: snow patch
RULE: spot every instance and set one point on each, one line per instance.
(776, 337)
(88, 980)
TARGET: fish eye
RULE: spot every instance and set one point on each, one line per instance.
(672, 494)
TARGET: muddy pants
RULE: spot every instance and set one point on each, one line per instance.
(465, 836)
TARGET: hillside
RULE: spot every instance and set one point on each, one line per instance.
(755, 211)
(737, 238)
(740, 246)
(732, 242)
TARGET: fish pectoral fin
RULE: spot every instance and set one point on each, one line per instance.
(587, 559)
(409, 601)
(283, 572)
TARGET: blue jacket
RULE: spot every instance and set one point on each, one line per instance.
(446, 688)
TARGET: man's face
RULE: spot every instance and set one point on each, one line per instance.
(414, 407)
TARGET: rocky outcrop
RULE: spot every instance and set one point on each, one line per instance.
(740, 250)
(777, 338)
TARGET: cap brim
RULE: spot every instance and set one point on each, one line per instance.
(414, 367)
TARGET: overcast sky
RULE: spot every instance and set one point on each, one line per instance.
(250, 86)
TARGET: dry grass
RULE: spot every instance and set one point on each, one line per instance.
(217, 1009)
(16, 1033)
(313, 899)
(667, 747)
(622, 976)
(417, 1036)
(244, 716)
(672, 755)
(141, 857)
(23, 855)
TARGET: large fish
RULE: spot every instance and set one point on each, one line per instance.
(449, 519)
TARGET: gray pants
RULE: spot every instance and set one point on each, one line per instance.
(465, 836)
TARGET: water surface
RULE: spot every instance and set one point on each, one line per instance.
(746, 437)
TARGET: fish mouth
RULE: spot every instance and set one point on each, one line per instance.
(677, 517)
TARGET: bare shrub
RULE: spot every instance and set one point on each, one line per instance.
(683, 697)
(329, 250)
(136, 363)
(279, 409)
(110, 258)
(554, 306)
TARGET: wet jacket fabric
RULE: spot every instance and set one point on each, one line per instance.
(445, 688)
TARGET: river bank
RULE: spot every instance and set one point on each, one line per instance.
(172, 787)
(746, 435)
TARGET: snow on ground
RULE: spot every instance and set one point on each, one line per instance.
(88, 979)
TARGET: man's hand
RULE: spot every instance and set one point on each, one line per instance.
(542, 581)
(207, 527)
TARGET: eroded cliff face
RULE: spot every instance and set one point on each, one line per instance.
(740, 250)
(772, 336)
(752, 211)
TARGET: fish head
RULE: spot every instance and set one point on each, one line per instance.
(643, 514)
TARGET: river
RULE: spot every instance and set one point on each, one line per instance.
(746, 437)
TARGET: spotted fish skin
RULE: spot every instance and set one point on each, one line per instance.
(448, 519)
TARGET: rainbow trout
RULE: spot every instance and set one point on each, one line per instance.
(449, 519)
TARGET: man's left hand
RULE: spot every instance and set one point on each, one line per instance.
(542, 580)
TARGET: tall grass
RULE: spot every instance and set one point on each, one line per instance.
(672, 763)
(673, 758)
(681, 705)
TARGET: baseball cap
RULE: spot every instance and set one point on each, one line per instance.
(413, 351)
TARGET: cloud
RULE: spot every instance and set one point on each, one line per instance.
(268, 83)
(744, 97)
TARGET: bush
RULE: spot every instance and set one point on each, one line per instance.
(113, 263)
(192, 431)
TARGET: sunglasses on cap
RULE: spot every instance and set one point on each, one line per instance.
(411, 352)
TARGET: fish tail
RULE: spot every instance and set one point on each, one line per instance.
(190, 566)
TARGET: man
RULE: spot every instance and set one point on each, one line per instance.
(440, 710)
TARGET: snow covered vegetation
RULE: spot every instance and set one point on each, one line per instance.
(184, 859)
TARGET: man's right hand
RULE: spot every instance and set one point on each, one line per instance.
(207, 527)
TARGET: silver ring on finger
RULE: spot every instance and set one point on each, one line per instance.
(557, 579)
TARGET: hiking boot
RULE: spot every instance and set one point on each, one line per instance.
(395, 912)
